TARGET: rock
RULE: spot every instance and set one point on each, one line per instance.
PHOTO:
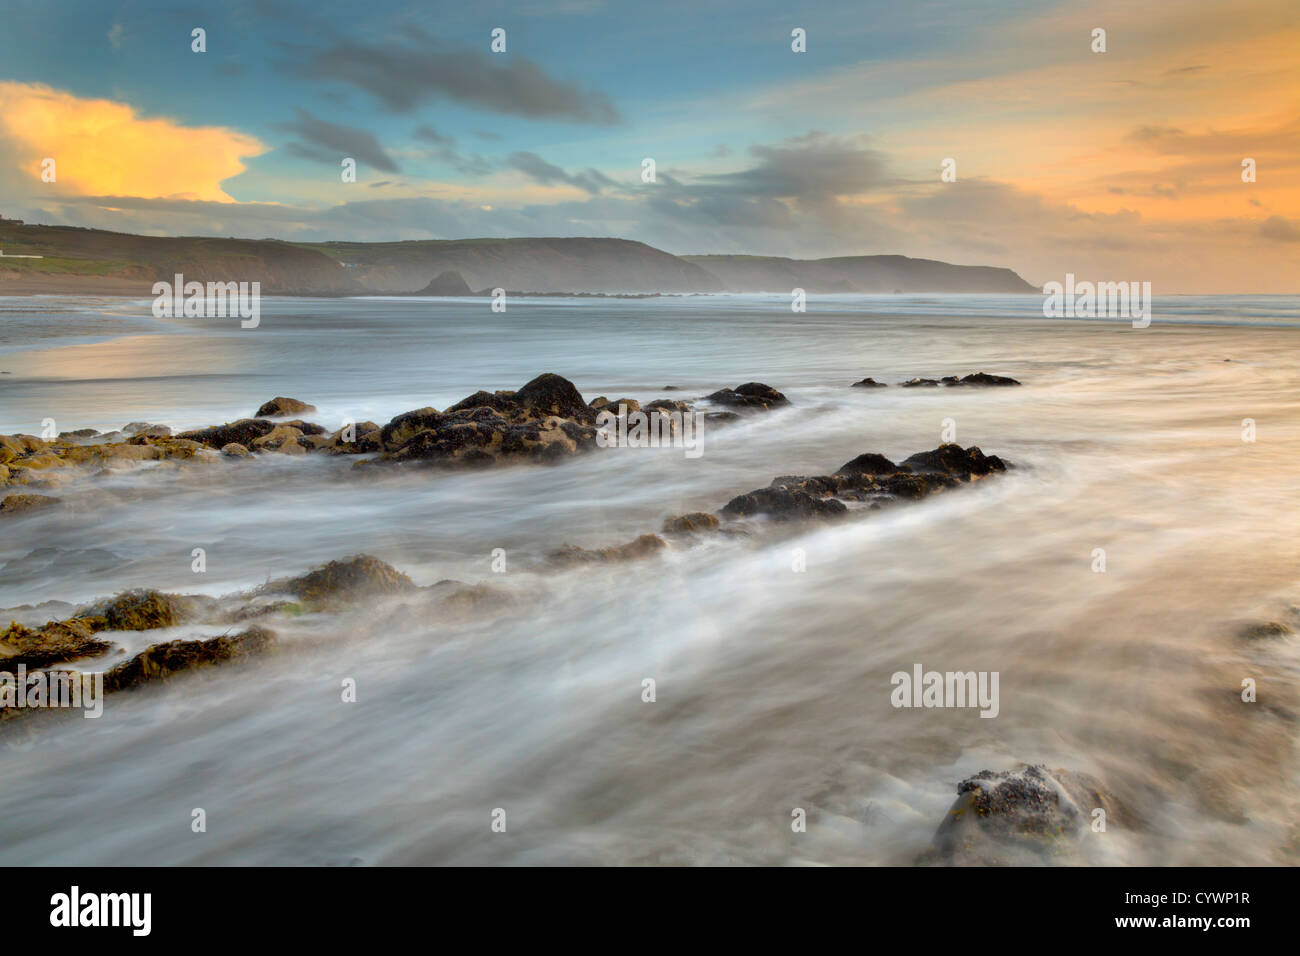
(783, 504)
(1023, 816)
(695, 522)
(503, 401)
(447, 283)
(13, 504)
(149, 435)
(309, 429)
(55, 643)
(135, 428)
(366, 437)
(281, 407)
(920, 383)
(282, 439)
(868, 464)
(409, 424)
(355, 577)
(642, 547)
(869, 383)
(164, 660)
(242, 432)
(952, 459)
(983, 378)
(234, 450)
(1269, 630)
(551, 394)
(80, 433)
(144, 610)
(623, 405)
(751, 395)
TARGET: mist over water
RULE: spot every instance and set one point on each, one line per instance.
(773, 686)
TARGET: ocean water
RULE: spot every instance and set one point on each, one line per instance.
(772, 686)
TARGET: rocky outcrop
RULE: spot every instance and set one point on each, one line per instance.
(448, 283)
(750, 396)
(869, 478)
(54, 643)
(242, 432)
(869, 383)
(144, 610)
(976, 379)
(345, 580)
(544, 420)
(165, 660)
(281, 407)
(1018, 817)
(642, 547)
(696, 522)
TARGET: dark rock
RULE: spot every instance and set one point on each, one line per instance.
(503, 401)
(1024, 816)
(447, 283)
(869, 383)
(983, 378)
(243, 432)
(164, 660)
(551, 394)
(751, 395)
(407, 425)
(952, 459)
(920, 382)
(783, 504)
(868, 464)
(281, 407)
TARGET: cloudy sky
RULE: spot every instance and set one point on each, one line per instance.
(1118, 165)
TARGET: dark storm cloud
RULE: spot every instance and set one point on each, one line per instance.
(402, 76)
(330, 142)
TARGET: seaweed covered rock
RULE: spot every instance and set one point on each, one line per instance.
(164, 660)
(693, 523)
(54, 643)
(1024, 816)
(144, 610)
(643, 547)
(349, 579)
(750, 396)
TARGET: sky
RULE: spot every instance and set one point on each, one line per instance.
(1116, 165)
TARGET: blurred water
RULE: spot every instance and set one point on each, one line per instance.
(773, 686)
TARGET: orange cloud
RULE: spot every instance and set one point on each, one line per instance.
(103, 148)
